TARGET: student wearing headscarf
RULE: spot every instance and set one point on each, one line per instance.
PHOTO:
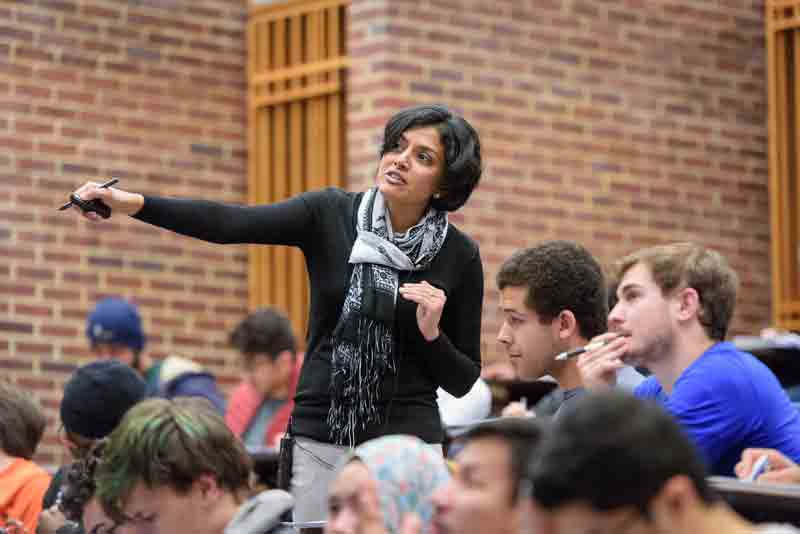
(383, 485)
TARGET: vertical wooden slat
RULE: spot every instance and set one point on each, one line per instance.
(334, 105)
(264, 153)
(280, 295)
(784, 137)
(258, 160)
(773, 66)
(316, 118)
(253, 169)
(782, 167)
(296, 271)
(793, 153)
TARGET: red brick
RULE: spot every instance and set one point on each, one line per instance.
(66, 295)
(18, 327)
(37, 349)
(17, 365)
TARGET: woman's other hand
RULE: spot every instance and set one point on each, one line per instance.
(430, 304)
(118, 200)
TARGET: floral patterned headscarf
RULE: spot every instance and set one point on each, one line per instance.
(407, 471)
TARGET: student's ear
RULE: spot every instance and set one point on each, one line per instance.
(207, 489)
(672, 505)
(688, 303)
(68, 443)
(285, 359)
(565, 325)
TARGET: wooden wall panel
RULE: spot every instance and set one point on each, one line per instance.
(296, 59)
(783, 56)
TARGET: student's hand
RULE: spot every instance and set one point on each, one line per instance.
(118, 200)
(15, 526)
(430, 303)
(49, 521)
(598, 367)
(781, 469)
(516, 409)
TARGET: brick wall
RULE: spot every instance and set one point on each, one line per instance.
(617, 123)
(153, 93)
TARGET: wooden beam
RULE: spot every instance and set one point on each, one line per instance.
(299, 94)
(302, 71)
(291, 8)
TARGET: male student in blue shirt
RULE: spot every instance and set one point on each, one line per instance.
(675, 304)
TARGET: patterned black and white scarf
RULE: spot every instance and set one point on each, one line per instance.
(363, 341)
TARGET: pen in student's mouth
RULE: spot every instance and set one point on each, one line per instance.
(567, 354)
(101, 186)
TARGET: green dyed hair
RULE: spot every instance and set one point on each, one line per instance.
(169, 443)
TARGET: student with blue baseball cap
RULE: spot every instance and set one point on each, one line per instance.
(114, 329)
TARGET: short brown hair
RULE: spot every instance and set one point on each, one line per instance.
(169, 443)
(558, 276)
(266, 331)
(21, 422)
(680, 265)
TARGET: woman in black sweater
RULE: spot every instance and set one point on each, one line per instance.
(396, 291)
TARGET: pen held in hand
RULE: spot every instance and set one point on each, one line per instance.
(564, 356)
(101, 186)
(759, 468)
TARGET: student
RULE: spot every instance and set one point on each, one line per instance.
(553, 299)
(114, 329)
(482, 496)
(383, 482)
(174, 466)
(259, 407)
(675, 304)
(96, 397)
(618, 464)
(22, 482)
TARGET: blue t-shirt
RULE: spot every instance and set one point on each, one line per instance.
(727, 400)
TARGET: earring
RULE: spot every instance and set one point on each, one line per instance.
(437, 196)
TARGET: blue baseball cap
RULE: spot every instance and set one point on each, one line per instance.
(115, 320)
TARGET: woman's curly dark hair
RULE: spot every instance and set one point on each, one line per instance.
(79, 483)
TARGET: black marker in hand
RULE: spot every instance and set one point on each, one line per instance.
(96, 205)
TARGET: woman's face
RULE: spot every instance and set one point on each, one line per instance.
(410, 172)
(344, 503)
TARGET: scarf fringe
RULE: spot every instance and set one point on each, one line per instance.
(362, 357)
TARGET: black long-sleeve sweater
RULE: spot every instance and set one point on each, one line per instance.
(323, 225)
